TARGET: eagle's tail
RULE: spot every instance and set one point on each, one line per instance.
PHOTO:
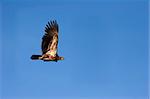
(35, 57)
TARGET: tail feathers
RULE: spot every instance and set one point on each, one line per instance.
(35, 57)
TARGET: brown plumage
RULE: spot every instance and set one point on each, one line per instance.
(49, 43)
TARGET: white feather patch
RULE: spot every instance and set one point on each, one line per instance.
(52, 53)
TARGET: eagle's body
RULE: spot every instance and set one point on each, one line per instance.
(49, 44)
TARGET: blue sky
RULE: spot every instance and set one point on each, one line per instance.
(105, 45)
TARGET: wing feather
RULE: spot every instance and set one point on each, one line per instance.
(51, 30)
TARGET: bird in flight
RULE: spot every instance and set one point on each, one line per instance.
(49, 44)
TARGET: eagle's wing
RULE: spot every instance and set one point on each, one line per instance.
(50, 38)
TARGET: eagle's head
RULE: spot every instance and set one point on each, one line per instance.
(61, 58)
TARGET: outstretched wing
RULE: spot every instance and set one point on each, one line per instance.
(50, 38)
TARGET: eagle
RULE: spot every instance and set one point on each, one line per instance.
(49, 43)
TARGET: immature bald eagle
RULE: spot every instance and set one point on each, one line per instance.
(49, 44)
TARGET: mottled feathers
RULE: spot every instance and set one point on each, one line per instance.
(51, 30)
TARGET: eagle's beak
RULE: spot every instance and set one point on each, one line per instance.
(61, 58)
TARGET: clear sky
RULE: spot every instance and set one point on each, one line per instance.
(105, 45)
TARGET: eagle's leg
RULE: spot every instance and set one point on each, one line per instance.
(52, 57)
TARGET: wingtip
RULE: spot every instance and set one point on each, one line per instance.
(35, 57)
